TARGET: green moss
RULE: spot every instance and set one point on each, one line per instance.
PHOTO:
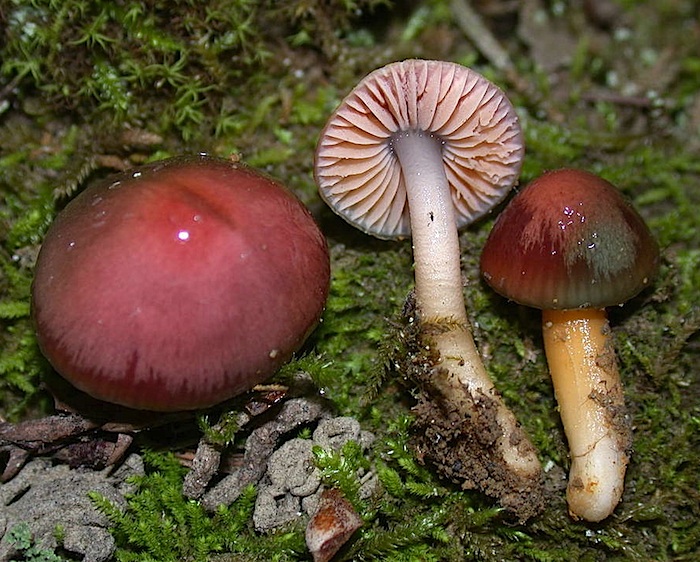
(20, 362)
(342, 469)
(364, 286)
(20, 537)
(173, 69)
(160, 524)
(116, 60)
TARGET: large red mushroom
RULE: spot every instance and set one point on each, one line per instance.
(571, 245)
(178, 285)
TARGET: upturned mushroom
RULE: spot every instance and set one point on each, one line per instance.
(571, 245)
(422, 148)
(179, 284)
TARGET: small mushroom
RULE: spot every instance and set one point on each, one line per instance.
(179, 284)
(571, 245)
(423, 148)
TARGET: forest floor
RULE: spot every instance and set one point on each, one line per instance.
(89, 88)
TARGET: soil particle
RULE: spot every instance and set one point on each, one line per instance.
(45, 496)
(260, 445)
(292, 486)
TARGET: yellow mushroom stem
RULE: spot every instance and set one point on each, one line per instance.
(588, 390)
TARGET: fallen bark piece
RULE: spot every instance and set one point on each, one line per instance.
(332, 525)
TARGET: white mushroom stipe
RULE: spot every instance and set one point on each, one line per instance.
(422, 148)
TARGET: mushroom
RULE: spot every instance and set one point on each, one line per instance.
(423, 148)
(571, 245)
(178, 285)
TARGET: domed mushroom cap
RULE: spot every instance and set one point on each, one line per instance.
(359, 175)
(178, 285)
(569, 240)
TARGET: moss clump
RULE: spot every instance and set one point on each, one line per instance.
(118, 62)
(27, 217)
(117, 59)
(20, 537)
(364, 285)
(160, 524)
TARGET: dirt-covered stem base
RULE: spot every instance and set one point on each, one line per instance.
(461, 378)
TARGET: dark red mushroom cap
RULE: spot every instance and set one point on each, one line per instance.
(178, 285)
(569, 240)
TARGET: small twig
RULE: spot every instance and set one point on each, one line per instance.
(617, 99)
(478, 33)
(37, 437)
(471, 24)
(11, 85)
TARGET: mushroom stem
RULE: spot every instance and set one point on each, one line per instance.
(591, 402)
(436, 253)
(440, 300)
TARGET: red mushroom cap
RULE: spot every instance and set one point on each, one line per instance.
(569, 240)
(178, 285)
